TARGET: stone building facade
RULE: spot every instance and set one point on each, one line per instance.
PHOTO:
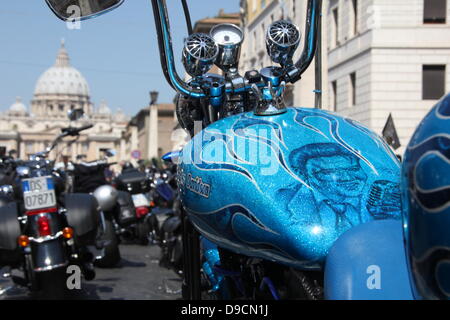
(257, 16)
(382, 58)
(151, 131)
(379, 57)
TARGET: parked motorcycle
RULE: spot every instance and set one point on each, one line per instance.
(89, 178)
(271, 189)
(144, 225)
(42, 229)
(168, 209)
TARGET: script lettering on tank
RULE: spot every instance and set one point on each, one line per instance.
(197, 186)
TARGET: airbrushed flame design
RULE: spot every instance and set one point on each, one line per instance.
(376, 138)
(426, 203)
(205, 165)
(279, 147)
(285, 187)
(443, 110)
(435, 148)
(301, 117)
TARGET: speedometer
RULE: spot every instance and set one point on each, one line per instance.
(228, 38)
(227, 34)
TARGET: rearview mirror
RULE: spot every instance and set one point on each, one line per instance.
(75, 114)
(81, 9)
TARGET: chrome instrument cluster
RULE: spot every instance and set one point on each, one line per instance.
(229, 38)
(222, 47)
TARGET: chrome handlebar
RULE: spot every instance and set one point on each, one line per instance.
(166, 52)
(313, 20)
(291, 73)
(66, 132)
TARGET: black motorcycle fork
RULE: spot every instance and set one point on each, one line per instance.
(191, 260)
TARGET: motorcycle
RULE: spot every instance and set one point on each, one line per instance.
(89, 178)
(43, 230)
(144, 226)
(272, 190)
(168, 210)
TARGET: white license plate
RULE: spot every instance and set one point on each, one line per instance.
(38, 193)
(140, 200)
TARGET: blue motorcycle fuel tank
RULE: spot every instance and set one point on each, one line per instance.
(285, 187)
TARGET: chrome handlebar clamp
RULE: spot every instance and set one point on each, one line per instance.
(271, 97)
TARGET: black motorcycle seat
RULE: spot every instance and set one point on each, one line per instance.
(131, 176)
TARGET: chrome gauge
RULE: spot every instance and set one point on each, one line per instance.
(227, 34)
(229, 39)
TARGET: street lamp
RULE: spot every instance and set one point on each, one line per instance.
(153, 97)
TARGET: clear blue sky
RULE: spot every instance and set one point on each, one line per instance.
(117, 52)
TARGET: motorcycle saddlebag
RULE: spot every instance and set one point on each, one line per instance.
(9, 232)
(133, 181)
(125, 211)
(83, 216)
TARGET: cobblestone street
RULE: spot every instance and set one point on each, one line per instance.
(137, 278)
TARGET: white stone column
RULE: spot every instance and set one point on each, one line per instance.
(153, 133)
(22, 150)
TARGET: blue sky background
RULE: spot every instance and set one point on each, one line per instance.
(117, 53)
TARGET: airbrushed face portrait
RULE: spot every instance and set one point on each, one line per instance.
(330, 169)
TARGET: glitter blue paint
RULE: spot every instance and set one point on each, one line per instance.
(284, 188)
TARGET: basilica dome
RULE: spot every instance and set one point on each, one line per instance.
(62, 78)
(18, 107)
(103, 109)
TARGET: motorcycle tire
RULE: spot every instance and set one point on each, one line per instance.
(52, 284)
(143, 229)
(177, 255)
(112, 253)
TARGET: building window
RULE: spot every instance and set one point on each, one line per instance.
(434, 11)
(354, 16)
(29, 147)
(335, 27)
(84, 147)
(352, 93)
(263, 4)
(433, 82)
(289, 95)
(294, 9)
(334, 95)
(263, 27)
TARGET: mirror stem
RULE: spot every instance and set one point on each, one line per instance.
(166, 52)
(187, 16)
(313, 18)
(312, 25)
